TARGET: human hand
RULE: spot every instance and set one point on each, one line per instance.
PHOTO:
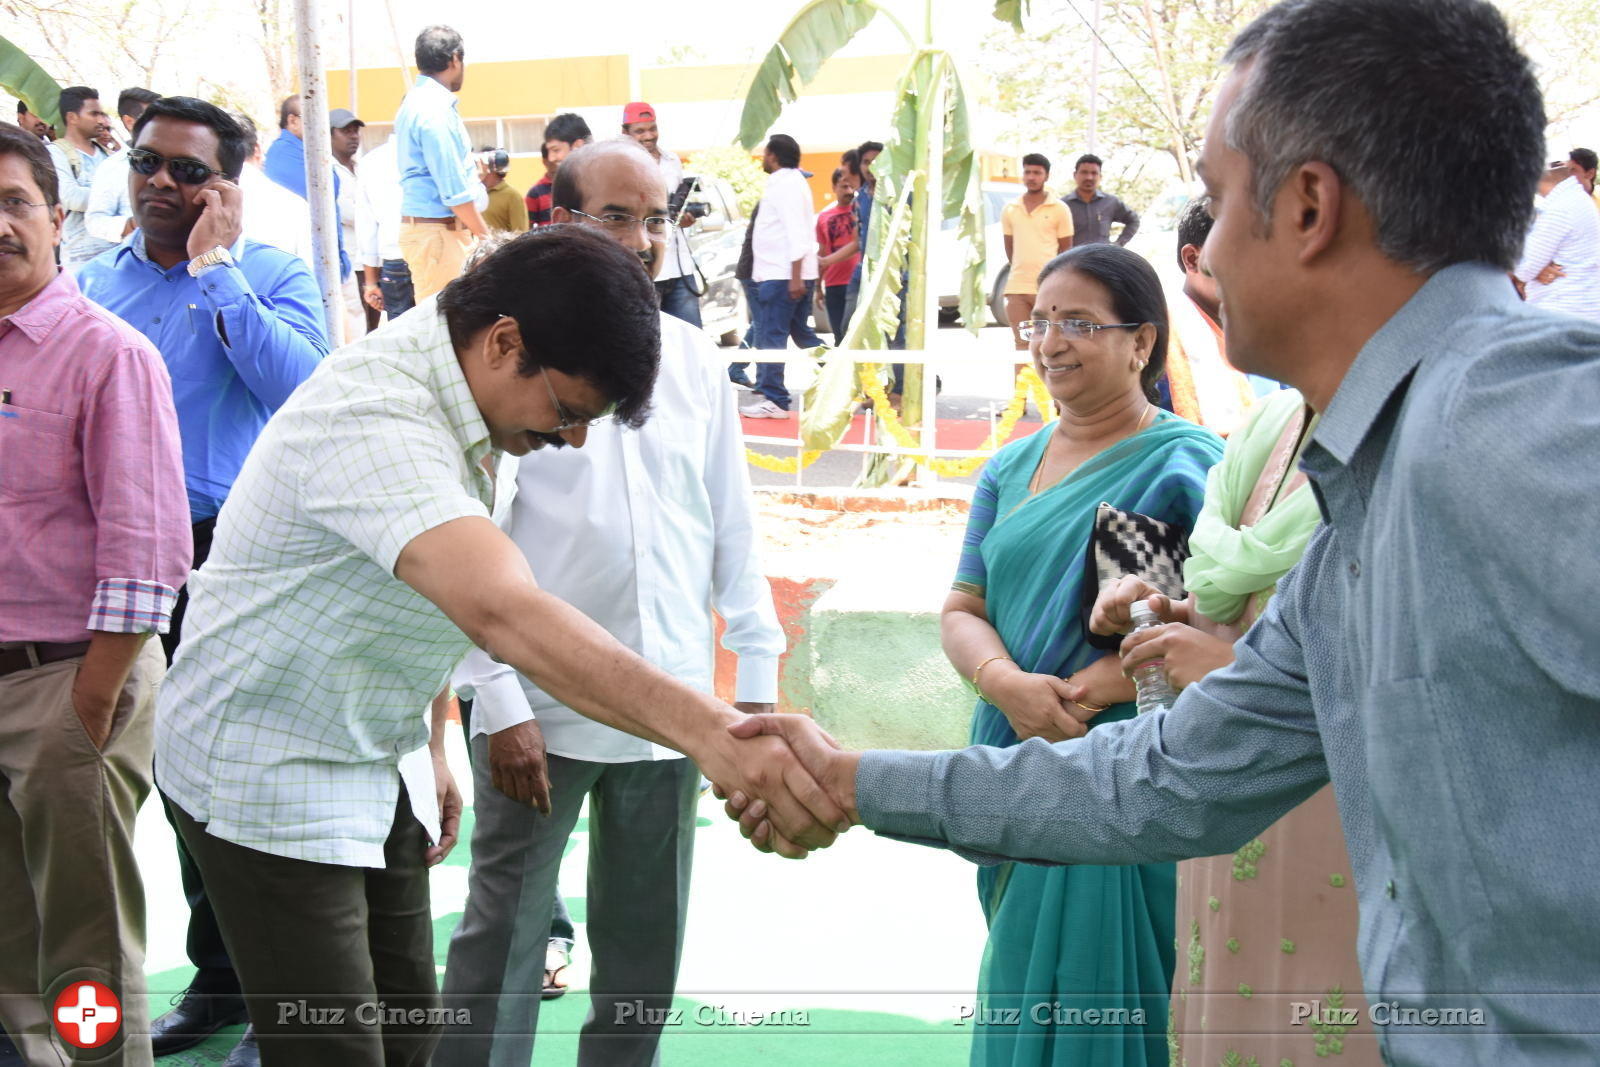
(96, 708)
(221, 220)
(1036, 705)
(751, 707)
(819, 754)
(1111, 615)
(449, 812)
(1096, 687)
(372, 295)
(1550, 273)
(1190, 654)
(754, 767)
(797, 289)
(129, 226)
(518, 766)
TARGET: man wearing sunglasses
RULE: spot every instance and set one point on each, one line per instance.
(239, 325)
(646, 531)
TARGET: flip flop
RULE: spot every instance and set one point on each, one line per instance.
(555, 962)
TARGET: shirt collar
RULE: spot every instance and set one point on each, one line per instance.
(435, 86)
(134, 246)
(39, 316)
(449, 382)
(1393, 353)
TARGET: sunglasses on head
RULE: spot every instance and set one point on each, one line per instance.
(184, 171)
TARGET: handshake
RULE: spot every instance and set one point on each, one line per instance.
(789, 785)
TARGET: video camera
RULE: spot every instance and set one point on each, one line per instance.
(496, 159)
(679, 202)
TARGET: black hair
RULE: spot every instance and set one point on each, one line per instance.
(1194, 225)
(436, 47)
(1088, 158)
(16, 141)
(22, 108)
(252, 137)
(785, 149)
(1584, 157)
(568, 127)
(838, 172)
(584, 304)
(135, 100)
(1135, 290)
(1036, 159)
(73, 97)
(232, 142)
(1344, 83)
(288, 108)
(868, 146)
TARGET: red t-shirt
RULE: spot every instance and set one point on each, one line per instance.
(836, 227)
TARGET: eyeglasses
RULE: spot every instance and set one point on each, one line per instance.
(654, 226)
(17, 207)
(1069, 329)
(184, 171)
(569, 421)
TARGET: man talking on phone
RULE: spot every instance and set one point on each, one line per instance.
(239, 325)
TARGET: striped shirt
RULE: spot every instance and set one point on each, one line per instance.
(306, 664)
(1566, 232)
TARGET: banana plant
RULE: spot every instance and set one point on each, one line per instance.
(927, 173)
(27, 81)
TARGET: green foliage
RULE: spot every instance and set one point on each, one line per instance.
(739, 168)
(27, 81)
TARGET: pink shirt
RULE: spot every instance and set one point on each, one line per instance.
(93, 513)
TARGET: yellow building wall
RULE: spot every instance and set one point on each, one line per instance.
(496, 90)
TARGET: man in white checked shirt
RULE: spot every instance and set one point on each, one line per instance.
(645, 531)
(355, 563)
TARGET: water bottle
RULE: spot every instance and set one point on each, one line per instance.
(1150, 678)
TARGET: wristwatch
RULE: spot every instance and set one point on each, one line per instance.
(217, 257)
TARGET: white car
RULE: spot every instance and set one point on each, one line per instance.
(944, 267)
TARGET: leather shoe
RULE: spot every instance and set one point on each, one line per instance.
(246, 1053)
(195, 1017)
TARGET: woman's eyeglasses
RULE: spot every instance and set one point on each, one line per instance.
(184, 171)
(1070, 329)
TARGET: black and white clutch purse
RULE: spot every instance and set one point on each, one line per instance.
(1123, 543)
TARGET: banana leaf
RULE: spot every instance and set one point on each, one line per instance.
(26, 80)
(815, 34)
(1011, 11)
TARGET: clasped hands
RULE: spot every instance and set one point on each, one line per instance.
(1190, 654)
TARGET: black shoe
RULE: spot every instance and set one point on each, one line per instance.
(196, 1017)
(245, 1053)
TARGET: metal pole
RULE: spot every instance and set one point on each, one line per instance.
(319, 164)
(932, 215)
(350, 28)
(1094, 82)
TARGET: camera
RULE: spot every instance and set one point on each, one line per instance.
(496, 159)
(679, 203)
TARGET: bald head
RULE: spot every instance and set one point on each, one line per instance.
(612, 178)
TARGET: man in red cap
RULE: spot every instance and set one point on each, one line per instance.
(676, 276)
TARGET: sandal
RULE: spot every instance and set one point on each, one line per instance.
(556, 961)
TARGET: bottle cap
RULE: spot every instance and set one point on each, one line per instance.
(1142, 613)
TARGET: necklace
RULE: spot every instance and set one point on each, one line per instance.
(1034, 486)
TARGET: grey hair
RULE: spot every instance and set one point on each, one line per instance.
(1427, 109)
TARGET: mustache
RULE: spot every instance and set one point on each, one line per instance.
(12, 246)
(553, 440)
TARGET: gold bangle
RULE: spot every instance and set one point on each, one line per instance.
(979, 671)
(1087, 707)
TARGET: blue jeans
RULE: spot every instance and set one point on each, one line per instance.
(834, 297)
(678, 301)
(778, 318)
(394, 281)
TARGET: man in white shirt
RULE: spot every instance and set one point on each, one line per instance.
(272, 214)
(784, 271)
(77, 155)
(386, 280)
(1567, 234)
(109, 216)
(647, 531)
(675, 276)
(345, 130)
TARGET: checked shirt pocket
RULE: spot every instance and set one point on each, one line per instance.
(37, 451)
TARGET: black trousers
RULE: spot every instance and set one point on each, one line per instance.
(213, 969)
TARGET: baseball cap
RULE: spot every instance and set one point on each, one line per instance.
(638, 111)
(340, 117)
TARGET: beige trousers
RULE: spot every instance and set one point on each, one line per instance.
(71, 901)
(435, 253)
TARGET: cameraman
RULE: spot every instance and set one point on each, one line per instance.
(676, 277)
(507, 212)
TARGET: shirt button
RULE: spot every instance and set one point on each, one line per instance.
(1355, 568)
(1388, 888)
(158, 318)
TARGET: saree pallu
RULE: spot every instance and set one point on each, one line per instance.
(1078, 965)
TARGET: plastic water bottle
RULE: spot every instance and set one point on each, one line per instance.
(1150, 678)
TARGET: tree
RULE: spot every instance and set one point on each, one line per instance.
(733, 164)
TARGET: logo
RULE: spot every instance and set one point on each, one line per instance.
(87, 1014)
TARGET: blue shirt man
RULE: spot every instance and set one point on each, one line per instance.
(285, 164)
(237, 340)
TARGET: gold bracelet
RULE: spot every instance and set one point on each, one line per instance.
(979, 671)
(1086, 707)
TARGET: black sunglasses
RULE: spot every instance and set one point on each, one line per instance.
(184, 171)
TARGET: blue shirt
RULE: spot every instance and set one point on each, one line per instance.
(863, 210)
(1436, 654)
(435, 157)
(237, 341)
(286, 165)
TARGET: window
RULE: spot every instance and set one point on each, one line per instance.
(483, 133)
(523, 136)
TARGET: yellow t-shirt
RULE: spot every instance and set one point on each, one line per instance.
(506, 211)
(1035, 239)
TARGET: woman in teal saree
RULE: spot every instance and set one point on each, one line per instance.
(1079, 960)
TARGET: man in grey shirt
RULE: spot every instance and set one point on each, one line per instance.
(1434, 654)
(1093, 211)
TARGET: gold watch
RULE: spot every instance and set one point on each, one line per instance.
(217, 257)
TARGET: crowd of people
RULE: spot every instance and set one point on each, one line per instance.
(528, 489)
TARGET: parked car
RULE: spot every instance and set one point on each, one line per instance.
(716, 239)
(944, 266)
